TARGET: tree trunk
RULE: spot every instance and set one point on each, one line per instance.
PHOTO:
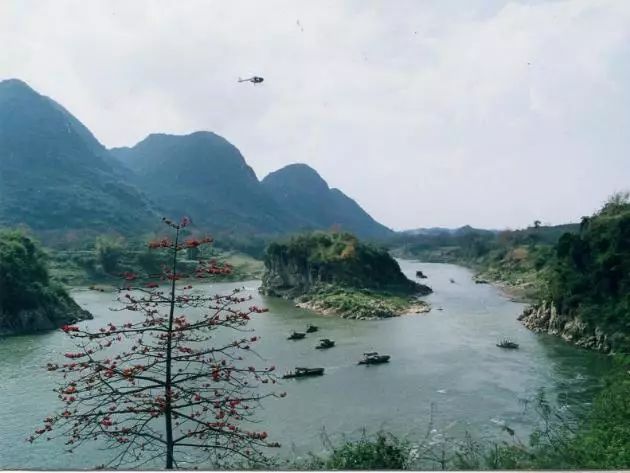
(169, 349)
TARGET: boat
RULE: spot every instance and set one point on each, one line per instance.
(373, 358)
(325, 343)
(296, 336)
(420, 275)
(311, 328)
(507, 344)
(452, 280)
(303, 372)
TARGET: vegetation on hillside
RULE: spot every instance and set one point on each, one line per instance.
(516, 259)
(102, 260)
(340, 258)
(302, 191)
(55, 175)
(589, 275)
(336, 273)
(25, 285)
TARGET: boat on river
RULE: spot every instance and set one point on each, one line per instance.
(420, 275)
(304, 372)
(311, 328)
(325, 343)
(296, 336)
(373, 358)
(507, 344)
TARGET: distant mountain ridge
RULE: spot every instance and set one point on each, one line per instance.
(55, 176)
(435, 231)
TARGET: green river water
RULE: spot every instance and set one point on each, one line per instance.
(444, 365)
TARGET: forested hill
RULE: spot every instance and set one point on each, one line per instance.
(576, 275)
(54, 175)
(301, 190)
(205, 176)
(588, 282)
(58, 180)
(29, 300)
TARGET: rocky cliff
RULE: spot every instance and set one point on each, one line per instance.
(335, 273)
(544, 318)
(48, 316)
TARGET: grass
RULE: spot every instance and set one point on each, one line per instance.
(356, 303)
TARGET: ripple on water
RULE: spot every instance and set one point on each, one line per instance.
(445, 371)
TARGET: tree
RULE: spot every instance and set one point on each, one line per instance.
(109, 250)
(537, 224)
(165, 383)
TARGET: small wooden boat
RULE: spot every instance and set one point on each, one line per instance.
(311, 328)
(304, 372)
(420, 275)
(373, 358)
(296, 336)
(452, 280)
(325, 343)
(507, 344)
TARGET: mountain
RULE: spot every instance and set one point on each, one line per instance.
(56, 178)
(437, 231)
(204, 176)
(302, 191)
(54, 175)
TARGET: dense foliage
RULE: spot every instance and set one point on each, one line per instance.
(23, 274)
(25, 286)
(340, 258)
(516, 258)
(590, 274)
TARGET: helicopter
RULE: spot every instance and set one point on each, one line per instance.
(253, 80)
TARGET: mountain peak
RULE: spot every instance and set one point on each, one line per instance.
(16, 90)
(297, 176)
(16, 84)
(304, 192)
(54, 173)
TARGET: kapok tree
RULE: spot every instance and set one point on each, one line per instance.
(169, 382)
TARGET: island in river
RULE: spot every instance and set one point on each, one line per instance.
(336, 274)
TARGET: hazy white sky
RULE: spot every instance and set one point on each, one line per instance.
(429, 113)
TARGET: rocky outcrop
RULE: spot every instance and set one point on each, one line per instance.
(42, 318)
(544, 318)
(358, 305)
(337, 274)
(290, 278)
(287, 278)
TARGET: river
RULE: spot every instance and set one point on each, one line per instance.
(444, 366)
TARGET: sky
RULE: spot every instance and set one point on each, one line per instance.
(491, 113)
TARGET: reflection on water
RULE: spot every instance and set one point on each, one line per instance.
(444, 366)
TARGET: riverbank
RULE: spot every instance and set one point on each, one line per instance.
(360, 304)
(516, 274)
(80, 269)
(447, 359)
